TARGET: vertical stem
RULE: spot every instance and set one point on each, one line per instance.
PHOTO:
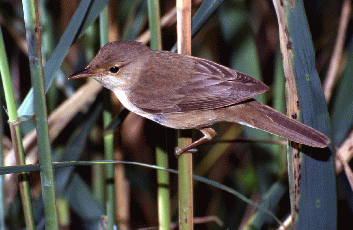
(154, 24)
(186, 211)
(163, 190)
(108, 136)
(332, 73)
(164, 218)
(15, 133)
(184, 26)
(30, 10)
(109, 155)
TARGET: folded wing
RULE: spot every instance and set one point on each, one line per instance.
(191, 84)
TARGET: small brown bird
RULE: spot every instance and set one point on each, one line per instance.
(184, 92)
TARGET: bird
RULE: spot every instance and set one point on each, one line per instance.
(186, 92)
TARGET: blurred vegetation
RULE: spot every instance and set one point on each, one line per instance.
(241, 34)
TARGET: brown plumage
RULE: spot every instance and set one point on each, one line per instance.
(185, 92)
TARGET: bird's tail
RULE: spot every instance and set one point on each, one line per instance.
(254, 114)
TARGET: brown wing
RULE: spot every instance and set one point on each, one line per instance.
(181, 83)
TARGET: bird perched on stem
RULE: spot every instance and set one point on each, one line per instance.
(185, 92)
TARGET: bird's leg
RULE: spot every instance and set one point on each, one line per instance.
(208, 133)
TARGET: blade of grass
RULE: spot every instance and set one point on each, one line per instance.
(79, 195)
(31, 17)
(205, 11)
(311, 171)
(55, 60)
(48, 45)
(85, 14)
(270, 201)
(30, 168)
(135, 21)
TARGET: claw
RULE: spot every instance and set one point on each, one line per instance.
(208, 133)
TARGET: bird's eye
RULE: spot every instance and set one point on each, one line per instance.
(114, 69)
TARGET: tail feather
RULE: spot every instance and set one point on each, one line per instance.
(254, 114)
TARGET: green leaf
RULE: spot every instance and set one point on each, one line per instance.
(80, 196)
(315, 197)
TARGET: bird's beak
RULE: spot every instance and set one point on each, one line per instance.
(87, 72)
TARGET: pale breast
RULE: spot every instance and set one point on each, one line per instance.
(124, 99)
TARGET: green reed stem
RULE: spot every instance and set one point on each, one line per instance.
(30, 10)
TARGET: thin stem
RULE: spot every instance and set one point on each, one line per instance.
(15, 133)
(155, 24)
(164, 218)
(30, 10)
(335, 63)
(185, 168)
(109, 136)
(186, 206)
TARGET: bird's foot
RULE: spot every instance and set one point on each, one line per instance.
(208, 133)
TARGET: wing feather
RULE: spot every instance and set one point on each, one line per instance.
(199, 85)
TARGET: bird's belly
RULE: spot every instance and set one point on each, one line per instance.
(185, 120)
(188, 120)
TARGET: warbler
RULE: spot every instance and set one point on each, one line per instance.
(185, 92)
